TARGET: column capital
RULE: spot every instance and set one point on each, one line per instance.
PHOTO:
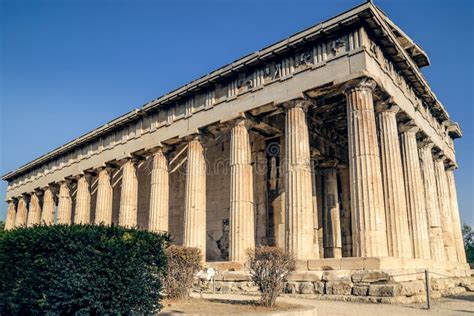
(24, 196)
(52, 187)
(194, 137)
(426, 144)
(452, 166)
(440, 156)
(388, 106)
(134, 159)
(154, 150)
(242, 120)
(363, 84)
(108, 168)
(297, 103)
(408, 127)
(329, 163)
(13, 200)
(37, 192)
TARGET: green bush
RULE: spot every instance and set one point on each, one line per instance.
(269, 269)
(81, 269)
(183, 264)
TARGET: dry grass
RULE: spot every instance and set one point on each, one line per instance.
(221, 306)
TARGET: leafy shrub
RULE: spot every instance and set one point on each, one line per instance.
(183, 263)
(269, 269)
(81, 269)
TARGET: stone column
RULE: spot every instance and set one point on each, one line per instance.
(128, 213)
(367, 205)
(414, 192)
(34, 214)
(242, 223)
(47, 214)
(82, 211)
(159, 193)
(64, 204)
(346, 212)
(300, 239)
(396, 217)
(458, 239)
(103, 205)
(431, 202)
(11, 213)
(195, 198)
(21, 213)
(332, 229)
(445, 209)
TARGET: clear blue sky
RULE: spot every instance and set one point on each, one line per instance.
(70, 66)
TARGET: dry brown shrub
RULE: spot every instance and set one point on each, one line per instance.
(269, 269)
(183, 263)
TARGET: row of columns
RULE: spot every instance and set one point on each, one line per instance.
(401, 206)
(241, 210)
(398, 207)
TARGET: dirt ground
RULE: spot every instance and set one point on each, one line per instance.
(222, 304)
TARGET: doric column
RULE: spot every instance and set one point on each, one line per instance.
(346, 212)
(103, 206)
(332, 227)
(242, 230)
(47, 214)
(195, 198)
(34, 213)
(396, 217)
(11, 213)
(458, 239)
(367, 205)
(128, 213)
(21, 213)
(159, 193)
(445, 209)
(299, 201)
(431, 202)
(64, 204)
(414, 192)
(82, 210)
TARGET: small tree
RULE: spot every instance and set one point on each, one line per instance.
(468, 235)
(269, 269)
(183, 264)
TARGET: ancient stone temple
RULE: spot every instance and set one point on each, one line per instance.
(329, 143)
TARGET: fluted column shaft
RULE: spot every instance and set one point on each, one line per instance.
(47, 214)
(64, 204)
(332, 229)
(34, 213)
(11, 213)
(367, 205)
(128, 213)
(431, 203)
(414, 192)
(242, 230)
(21, 213)
(195, 198)
(398, 237)
(82, 211)
(159, 193)
(445, 210)
(103, 206)
(458, 238)
(299, 201)
(346, 213)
